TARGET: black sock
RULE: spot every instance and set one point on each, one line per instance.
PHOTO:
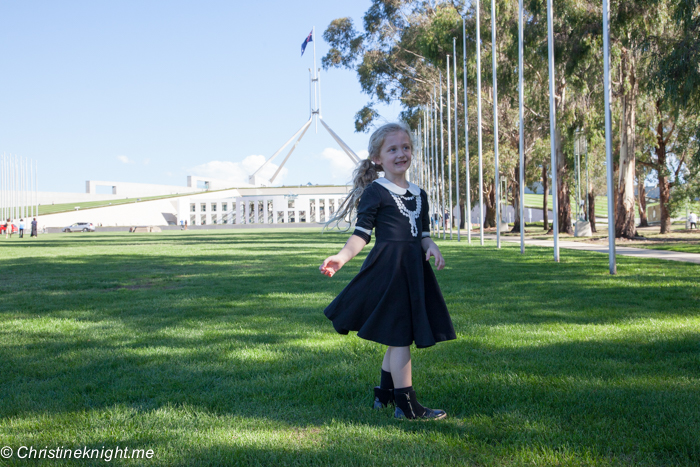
(386, 382)
(418, 409)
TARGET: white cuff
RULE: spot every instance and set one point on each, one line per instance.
(368, 232)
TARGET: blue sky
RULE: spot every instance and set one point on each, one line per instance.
(153, 91)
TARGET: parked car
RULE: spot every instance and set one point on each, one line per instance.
(2, 228)
(80, 227)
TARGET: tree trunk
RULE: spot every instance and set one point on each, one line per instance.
(624, 211)
(563, 192)
(545, 188)
(462, 216)
(642, 200)
(591, 210)
(516, 200)
(664, 195)
(662, 173)
(490, 205)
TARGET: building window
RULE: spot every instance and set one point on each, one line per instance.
(192, 207)
(213, 207)
(213, 219)
(290, 204)
(204, 220)
(204, 207)
(223, 207)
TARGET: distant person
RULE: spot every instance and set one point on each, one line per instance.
(8, 228)
(447, 217)
(693, 219)
(21, 228)
(35, 229)
(182, 224)
(185, 225)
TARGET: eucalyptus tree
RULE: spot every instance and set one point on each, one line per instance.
(669, 151)
(397, 56)
(673, 149)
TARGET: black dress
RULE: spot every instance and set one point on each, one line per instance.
(395, 299)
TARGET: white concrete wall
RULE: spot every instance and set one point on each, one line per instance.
(157, 212)
(258, 209)
(172, 210)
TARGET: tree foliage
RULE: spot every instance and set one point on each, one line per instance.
(402, 48)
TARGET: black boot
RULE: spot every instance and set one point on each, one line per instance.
(383, 397)
(407, 406)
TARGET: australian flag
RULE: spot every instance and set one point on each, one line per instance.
(306, 41)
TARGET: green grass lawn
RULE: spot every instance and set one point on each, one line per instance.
(211, 348)
(535, 201)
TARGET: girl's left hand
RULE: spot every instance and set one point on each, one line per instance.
(434, 251)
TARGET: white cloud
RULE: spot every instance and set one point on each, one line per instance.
(124, 160)
(237, 173)
(146, 161)
(341, 165)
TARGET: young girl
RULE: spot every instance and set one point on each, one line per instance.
(395, 299)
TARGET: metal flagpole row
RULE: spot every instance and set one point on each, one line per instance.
(497, 178)
(466, 134)
(478, 124)
(449, 152)
(459, 209)
(522, 132)
(552, 132)
(18, 187)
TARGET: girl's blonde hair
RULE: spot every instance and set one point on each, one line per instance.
(365, 173)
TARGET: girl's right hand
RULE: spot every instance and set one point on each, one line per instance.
(331, 265)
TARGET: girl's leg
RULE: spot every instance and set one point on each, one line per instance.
(384, 393)
(399, 366)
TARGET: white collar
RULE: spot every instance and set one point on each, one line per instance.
(394, 188)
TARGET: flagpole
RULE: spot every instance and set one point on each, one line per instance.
(608, 138)
(468, 214)
(442, 164)
(495, 125)
(313, 39)
(459, 209)
(449, 148)
(478, 125)
(522, 129)
(552, 132)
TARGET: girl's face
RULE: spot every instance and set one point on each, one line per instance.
(395, 155)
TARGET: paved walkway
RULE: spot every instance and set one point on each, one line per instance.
(619, 250)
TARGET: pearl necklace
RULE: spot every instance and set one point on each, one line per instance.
(412, 215)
